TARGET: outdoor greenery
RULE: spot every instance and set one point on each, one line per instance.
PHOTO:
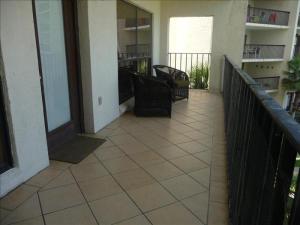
(199, 76)
(292, 81)
(292, 190)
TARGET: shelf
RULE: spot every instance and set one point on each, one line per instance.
(144, 27)
(261, 60)
(262, 26)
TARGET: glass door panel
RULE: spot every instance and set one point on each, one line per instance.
(50, 28)
(127, 37)
(144, 41)
(5, 153)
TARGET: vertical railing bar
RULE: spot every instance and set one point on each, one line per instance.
(191, 61)
(186, 62)
(180, 60)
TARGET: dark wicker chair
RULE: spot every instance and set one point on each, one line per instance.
(177, 79)
(153, 97)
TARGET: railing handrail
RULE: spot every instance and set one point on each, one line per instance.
(274, 10)
(189, 52)
(266, 77)
(263, 45)
(281, 117)
(262, 142)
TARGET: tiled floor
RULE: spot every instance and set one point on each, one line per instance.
(156, 171)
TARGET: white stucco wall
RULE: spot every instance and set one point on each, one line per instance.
(228, 29)
(23, 93)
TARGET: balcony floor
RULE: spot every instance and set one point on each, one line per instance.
(150, 171)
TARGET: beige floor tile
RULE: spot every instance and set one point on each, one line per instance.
(133, 147)
(193, 147)
(219, 209)
(108, 153)
(122, 139)
(218, 192)
(3, 213)
(106, 144)
(183, 186)
(99, 188)
(177, 139)
(91, 158)
(204, 156)
(189, 163)
(120, 165)
(154, 141)
(195, 135)
(80, 215)
(60, 198)
(218, 174)
(27, 210)
(17, 196)
(182, 128)
(151, 197)
(170, 152)
(35, 221)
(44, 177)
(64, 178)
(198, 204)
(202, 176)
(88, 171)
(114, 209)
(174, 214)
(134, 179)
(147, 158)
(59, 165)
(163, 171)
(116, 131)
(218, 159)
(138, 220)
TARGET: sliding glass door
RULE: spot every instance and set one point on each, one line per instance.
(58, 61)
(134, 45)
(5, 150)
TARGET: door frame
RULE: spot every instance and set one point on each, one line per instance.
(67, 126)
(7, 152)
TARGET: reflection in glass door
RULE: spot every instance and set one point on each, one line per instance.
(50, 27)
(5, 150)
(55, 25)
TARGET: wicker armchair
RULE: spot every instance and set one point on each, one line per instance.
(153, 97)
(177, 79)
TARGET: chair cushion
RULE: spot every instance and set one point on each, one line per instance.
(182, 83)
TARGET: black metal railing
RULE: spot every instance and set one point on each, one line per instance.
(257, 51)
(196, 66)
(268, 83)
(187, 61)
(262, 143)
(267, 16)
(297, 50)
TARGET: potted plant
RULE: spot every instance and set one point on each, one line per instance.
(292, 82)
(199, 76)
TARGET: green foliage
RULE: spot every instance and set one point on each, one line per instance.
(292, 81)
(199, 76)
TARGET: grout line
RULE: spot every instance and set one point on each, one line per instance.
(85, 199)
(178, 200)
(210, 166)
(40, 203)
(124, 190)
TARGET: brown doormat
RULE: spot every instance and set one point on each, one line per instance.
(76, 149)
